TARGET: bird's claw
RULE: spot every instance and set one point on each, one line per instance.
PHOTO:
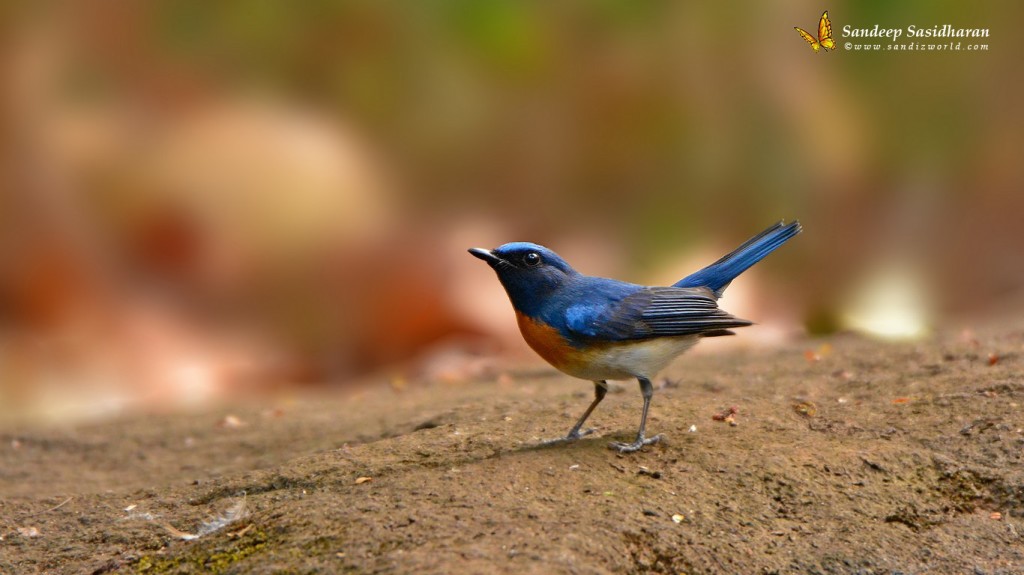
(636, 445)
(572, 436)
(576, 434)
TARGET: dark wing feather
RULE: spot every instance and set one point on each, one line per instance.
(662, 312)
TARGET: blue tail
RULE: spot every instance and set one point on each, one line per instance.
(718, 275)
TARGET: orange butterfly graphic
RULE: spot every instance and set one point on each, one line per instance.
(824, 35)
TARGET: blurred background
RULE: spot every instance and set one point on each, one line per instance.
(205, 200)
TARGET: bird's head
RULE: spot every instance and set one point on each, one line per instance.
(528, 271)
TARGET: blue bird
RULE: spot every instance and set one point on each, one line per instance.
(598, 329)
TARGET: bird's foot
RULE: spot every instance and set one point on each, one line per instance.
(572, 436)
(636, 445)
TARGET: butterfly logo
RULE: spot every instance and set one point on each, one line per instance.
(824, 35)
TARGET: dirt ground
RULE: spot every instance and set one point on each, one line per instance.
(847, 456)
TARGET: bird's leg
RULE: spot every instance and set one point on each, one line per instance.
(600, 390)
(648, 391)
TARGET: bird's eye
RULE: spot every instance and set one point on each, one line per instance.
(531, 259)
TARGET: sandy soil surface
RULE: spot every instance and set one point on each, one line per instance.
(846, 456)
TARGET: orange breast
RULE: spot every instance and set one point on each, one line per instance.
(548, 343)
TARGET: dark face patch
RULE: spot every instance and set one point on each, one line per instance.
(529, 272)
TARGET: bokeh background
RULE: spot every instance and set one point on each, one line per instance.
(210, 200)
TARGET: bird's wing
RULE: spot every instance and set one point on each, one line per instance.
(653, 312)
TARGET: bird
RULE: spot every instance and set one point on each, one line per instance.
(597, 328)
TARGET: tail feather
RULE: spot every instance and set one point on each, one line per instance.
(718, 275)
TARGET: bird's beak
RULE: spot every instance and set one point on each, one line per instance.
(486, 255)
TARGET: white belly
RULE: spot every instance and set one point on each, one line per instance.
(628, 360)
